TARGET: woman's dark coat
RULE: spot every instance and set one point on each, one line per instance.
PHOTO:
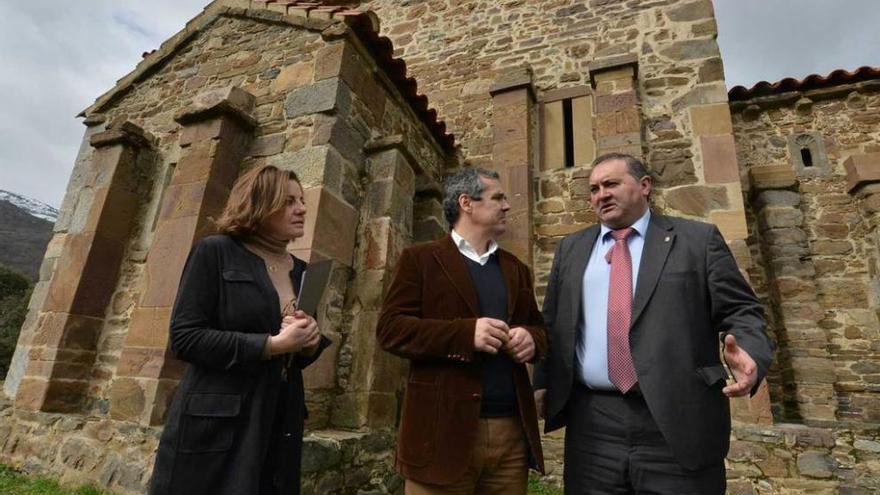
(218, 437)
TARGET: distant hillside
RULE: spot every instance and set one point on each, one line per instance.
(24, 236)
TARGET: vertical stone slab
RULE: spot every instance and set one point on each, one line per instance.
(63, 345)
(807, 370)
(376, 377)
(616, 105)
(215, 134)
(513, 99)
(82, 164)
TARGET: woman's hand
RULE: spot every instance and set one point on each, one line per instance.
(298, 332)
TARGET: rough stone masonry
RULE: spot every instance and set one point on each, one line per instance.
(534, 89)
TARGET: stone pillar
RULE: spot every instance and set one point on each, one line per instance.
(375, 379)
(214, 136)
(513, 99)
(863, 182)
(63, 347)
(618, 117)
(807, 371)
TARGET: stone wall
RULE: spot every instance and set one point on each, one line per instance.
(672, 109)
(235, 89)
(812, 232)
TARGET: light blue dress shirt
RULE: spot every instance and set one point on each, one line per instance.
(592, 342)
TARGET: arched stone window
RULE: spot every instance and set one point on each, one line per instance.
(807, 152)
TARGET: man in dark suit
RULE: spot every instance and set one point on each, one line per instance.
(463, 312)
(634, 310)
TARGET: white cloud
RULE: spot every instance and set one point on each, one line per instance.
(56, 58)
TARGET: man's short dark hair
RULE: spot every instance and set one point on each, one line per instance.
(634, 166)
(468, 182)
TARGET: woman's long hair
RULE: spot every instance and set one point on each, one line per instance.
(258, 193)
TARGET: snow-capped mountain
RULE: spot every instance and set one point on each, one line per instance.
(32, 206)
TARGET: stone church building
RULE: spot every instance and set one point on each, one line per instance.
(372, 103)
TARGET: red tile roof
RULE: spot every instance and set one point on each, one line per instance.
(813, 81)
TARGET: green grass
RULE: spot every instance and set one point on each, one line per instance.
(537, 487)
(14, 483)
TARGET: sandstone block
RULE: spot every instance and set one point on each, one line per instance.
(696, 200)
(732, 225)
(861, 169)
(293, 77)
(616, 102)
(323, 96)
(711, 120)
(691, 49)
(719, 159)
(772, 177)
(268, 145)
(692, 11)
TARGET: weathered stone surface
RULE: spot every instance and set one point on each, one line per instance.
(862, 169)
(323, 96)
(773, 217)
(711, 120)
(719, 159)
(815, 465)
(696, 200)
(691, 49)
(777, 198)
(692, 11)
(772, 177)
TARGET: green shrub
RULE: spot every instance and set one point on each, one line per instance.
(15, 292)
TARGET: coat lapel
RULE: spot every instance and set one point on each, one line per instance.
(658, 241)
(453, 266)
(577, 264)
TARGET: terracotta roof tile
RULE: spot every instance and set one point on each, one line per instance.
(813, 81)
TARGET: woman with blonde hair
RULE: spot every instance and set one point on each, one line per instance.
(235, 425)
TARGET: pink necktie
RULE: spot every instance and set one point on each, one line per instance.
(621, 370)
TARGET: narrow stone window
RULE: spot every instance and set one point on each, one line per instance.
(807, 152)
(568, 124)
(806, 157)
(567, 129)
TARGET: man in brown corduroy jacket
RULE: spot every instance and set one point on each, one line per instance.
(463, 311)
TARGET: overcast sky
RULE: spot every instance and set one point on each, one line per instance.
(56, 57)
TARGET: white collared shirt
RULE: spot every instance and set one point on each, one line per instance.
(470, 253)
(592, 345)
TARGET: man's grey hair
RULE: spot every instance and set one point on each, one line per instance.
(465, 182)
(634, 166)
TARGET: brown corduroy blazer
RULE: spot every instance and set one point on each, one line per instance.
(428, 317)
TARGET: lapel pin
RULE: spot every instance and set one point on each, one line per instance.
(667, 239)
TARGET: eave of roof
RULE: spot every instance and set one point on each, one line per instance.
(315, 16)
(813, 81)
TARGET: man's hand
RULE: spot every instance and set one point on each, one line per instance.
(521, 345)
(298, 332)
(743, 367)
(490, 335)
(540, 404)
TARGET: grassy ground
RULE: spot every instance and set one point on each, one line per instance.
(536, 487)
(15, 483)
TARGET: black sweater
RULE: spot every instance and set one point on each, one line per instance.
(499, 391)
